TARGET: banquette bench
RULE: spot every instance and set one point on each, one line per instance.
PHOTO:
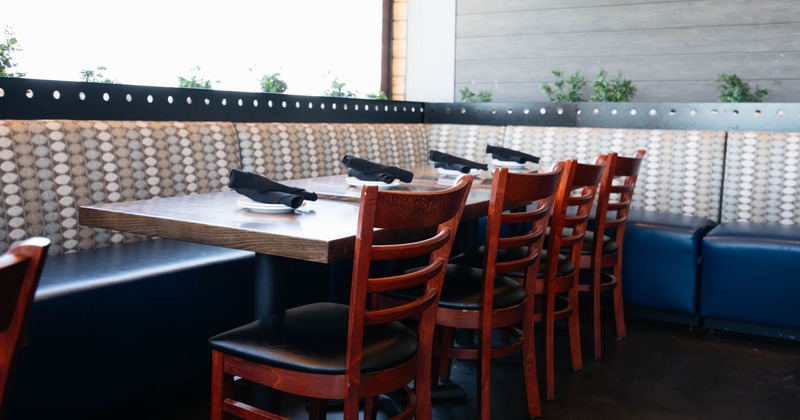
(107, 299)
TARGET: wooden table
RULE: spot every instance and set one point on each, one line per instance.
(321, 231)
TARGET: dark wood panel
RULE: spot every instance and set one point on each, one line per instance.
(627, 17)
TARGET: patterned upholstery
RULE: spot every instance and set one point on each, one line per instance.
(298, 150)
(681, 173)
(49, 168)
(761, 178)
(465, 141)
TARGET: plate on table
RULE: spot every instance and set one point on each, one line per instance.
(507, 164)
(264, 207)
(453, 172)
(355, 182)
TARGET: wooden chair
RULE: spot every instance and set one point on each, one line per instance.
(602, 253)
(332, 351)
(558, 276)
(20, 269)
(483, 298)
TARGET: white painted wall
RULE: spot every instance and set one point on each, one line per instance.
(431, 50)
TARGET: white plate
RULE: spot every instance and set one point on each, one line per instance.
(355, 182)
(264, 207)
(453, 172)
(507, 164)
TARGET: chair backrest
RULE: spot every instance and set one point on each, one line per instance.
(571, 212)
(20, 269)
(527, 228)
(397, 219)
(615, 196)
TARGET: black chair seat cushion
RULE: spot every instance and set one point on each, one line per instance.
(474, 258)
(609, 246)
(313, 338)
(462, 290)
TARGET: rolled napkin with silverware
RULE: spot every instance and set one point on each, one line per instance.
(454, 163)
(510, 155)
(264, 190)
(366, 170)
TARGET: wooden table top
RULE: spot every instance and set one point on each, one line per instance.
(320, 231)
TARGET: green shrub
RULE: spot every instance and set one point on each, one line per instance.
(617, 90)
(732, 89)
(566, 90)
(272, 83)
(469, 96)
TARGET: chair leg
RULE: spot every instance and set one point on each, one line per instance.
(371, 408)
(619, 311)
(549, 365)
(221, 385)
(595, 292)
(317, 408)
(443, 366)
(484, 382)
(575, 331)
(529, 366)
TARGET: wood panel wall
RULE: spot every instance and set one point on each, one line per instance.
(672, 50)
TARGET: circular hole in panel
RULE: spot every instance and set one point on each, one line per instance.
(595, 111)
(526, 111)
(559, 110)
(578, 112)
(366, 107)
(613, 112)
(207, 101)
(757, 113)
(542, 111)
(494, 112)
(169, 99)
(653, 111)
(672, 112)
(297, 104)
(269, 103)
(693, 112)
(128, 97)
(149, 99)
(188, 100)
(224, 101)
(283, 104)
(255, 103)
(395, 108)
(509, 111)
(355, 107)
(463, 110)
(322, 105)
(735, 112)
(29, 93)
(310, 105)
(344, 107)
(780, 113)
(240, 102)
(333, 106)
(633, 112)
(2, 92)
(714, 112)
(386, 108)
(56, 95)
(106, 96)
(405, 109)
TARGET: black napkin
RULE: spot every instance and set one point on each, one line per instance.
(510, 155)
(371, 171)
(264, 190)
(445, 161)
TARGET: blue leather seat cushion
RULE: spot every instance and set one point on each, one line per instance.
(660, 260)
(751, 273)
